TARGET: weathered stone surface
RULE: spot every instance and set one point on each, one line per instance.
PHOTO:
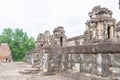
(86, 63)
(95, 52)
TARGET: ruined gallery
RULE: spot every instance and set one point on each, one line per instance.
(96, 52)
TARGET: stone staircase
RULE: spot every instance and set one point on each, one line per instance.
(31, 69)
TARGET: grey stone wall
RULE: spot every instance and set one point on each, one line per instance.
(105, 65)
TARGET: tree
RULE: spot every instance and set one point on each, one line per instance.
(18, 41)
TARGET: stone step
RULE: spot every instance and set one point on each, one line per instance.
(31, 69)
(28, 72)
(37, 66)
(24, 72)
(34, 72)
(37, 63)
(29, 66)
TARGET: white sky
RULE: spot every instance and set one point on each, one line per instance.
(36, 16)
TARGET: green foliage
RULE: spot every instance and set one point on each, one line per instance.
(18, 41)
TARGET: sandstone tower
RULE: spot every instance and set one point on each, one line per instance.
(101, 25)
(59, 36)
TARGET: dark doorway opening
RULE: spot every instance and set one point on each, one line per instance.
(108, 32)
(6, 59)
(41, 45)
(61, 41)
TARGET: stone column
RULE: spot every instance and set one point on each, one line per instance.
(106, 30)
(86, 63)
(45, 62)
(115, 68)
(94, 65)
(106, 62)
(112, 32)
(99, 64)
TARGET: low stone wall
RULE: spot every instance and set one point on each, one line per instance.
(104, 65)
(99, 64)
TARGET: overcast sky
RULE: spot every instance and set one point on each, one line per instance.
(36, 16)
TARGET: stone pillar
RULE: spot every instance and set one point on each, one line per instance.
(115, 66)
(64, 61)
(55, 63)
(103, 62)
(76, 62)
(106, 31)
(94, 65)
(106, 62)
(100, 30)
(112, 32)
(99, 64)
(86, 63)
(45, 62)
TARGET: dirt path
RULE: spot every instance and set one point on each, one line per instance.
(10, 71)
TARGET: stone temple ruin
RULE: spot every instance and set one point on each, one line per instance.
(96, 52)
